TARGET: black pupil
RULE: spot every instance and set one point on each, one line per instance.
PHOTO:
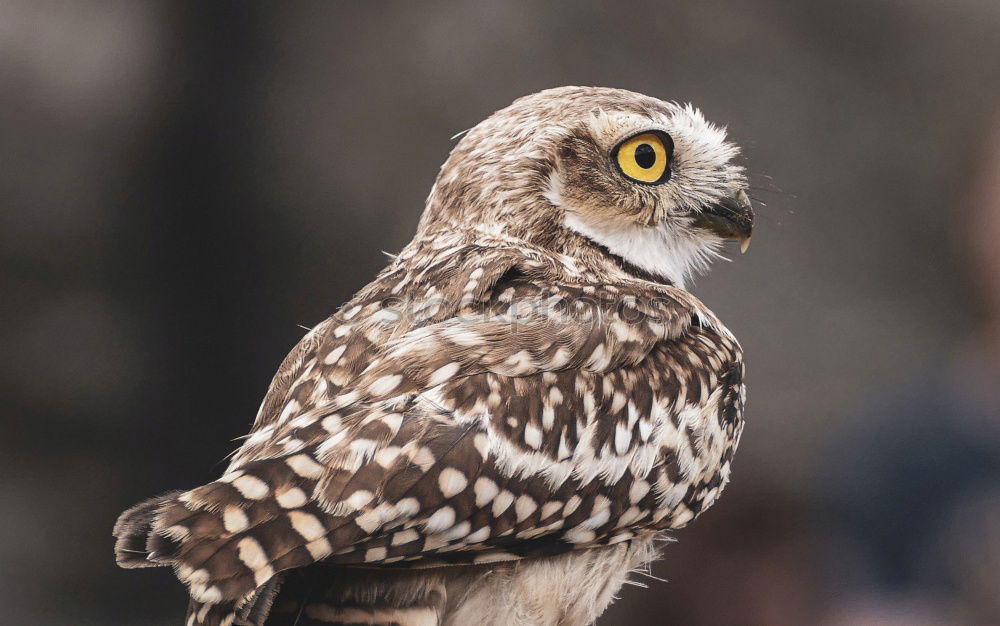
(645, 156)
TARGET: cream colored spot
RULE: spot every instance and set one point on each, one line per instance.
(231, 476)
(332, 424)
(630, 515)
(210, 595)
(617, 401)
(234, 519)
(548, 417)
(292, 408)
(622, 439)
(524, 506)
(393, 421)
(645, 429)
(408, 507)
(387, 456)
(599, 358)
(307, 525)
(405, 536)
(550, 508)
(375, 554)
(250, 552)
(443, 374)
(335, 354)
(385, 316)
(359, 499)
(579, 535)
(638, 491)
(422, 457)
(195, 577)
(385, 384)
(291, 498)
(176, 532)
(494, 557)
(597, 520)
(533, 436)
(485, 490)
(368, 522)
(348, 398)
(560, 358)
(361, 451)
(458, 531)
(302, 421)
(263, 575)
(620, 537)
(251, 487)
(482, 444)
(520, 362)
(682, 518)
(441, 520)
(352, 312)
(304, 466)
(452, 482)
(502, 502)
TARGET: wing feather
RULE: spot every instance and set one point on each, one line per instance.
(528, 412)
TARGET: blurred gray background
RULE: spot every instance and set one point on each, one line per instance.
(183, 184)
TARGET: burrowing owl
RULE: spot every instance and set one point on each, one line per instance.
(527, 394)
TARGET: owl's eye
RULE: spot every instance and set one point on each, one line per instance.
(645, 158)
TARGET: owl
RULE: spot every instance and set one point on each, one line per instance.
(497, 428)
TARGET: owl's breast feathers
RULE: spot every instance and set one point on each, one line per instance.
(482, 400)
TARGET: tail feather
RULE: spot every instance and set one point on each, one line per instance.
(253, 611)
(229, 537)
(133, 529)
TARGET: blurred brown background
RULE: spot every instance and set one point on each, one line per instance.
(183, 184)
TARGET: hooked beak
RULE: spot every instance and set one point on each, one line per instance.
(730, 218)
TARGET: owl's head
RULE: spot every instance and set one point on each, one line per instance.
(649, 183)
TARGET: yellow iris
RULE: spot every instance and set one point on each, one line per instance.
(643, 158)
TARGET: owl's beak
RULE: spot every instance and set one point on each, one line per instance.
(730, 218)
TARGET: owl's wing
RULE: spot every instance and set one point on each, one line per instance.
(534, 426)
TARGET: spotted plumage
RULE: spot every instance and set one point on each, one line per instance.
(526, 391)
